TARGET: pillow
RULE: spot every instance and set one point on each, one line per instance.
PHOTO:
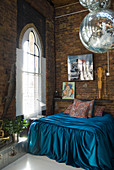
(79, 109)
(99, 110)
(68, 109)
(91, 106)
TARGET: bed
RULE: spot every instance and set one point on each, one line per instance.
(80, 142)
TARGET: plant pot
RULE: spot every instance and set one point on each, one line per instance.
(15, 137)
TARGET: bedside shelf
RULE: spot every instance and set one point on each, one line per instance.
(103, 101)
(96, 100)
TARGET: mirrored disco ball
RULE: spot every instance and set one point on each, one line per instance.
(95, 4)
(97, 31)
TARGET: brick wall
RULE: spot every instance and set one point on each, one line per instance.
(68, 43)
(50, 67)
(8, 26)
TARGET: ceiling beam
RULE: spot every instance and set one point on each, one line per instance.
(51, 3)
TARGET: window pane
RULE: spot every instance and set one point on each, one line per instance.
(30, 63)
(36, 85)
(25, 55)
(25, 63)
(36, 51)
(28, 105)
(31, 42)
(26, 46)
(36, 64)
(28, 93)
(39, 71)
(37, 93)
(28, 84)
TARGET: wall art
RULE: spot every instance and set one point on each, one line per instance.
(68, 90)
(80, 67)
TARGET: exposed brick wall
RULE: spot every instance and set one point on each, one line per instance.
(68, 43)
(50, 67)
(8, 27)
(43, 7)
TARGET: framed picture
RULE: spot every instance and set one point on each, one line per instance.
(80, 67)
(68, 90)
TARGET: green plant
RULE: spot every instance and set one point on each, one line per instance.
(17, 125)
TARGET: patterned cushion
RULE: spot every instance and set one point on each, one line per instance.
(99, 110)
(79, 109)
(91, 106)
(68, 109)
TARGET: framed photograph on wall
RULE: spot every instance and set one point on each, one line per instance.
(68, 90)
(80, 67)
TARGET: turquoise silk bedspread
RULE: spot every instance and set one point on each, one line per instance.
(80, 142)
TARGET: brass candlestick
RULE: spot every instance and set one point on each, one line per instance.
(2, 132)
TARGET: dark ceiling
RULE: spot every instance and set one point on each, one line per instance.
(58, 3)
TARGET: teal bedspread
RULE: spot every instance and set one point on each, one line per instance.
(80, 142)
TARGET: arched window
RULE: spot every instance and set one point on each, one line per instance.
(31, 67)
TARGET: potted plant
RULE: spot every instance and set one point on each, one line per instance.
(15, 126)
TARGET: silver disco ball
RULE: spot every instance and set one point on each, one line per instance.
(95, 4)
(97, 31)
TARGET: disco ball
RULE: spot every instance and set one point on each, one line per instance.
(95, 4)
(97, 31)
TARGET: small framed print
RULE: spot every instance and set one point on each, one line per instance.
(68, 90)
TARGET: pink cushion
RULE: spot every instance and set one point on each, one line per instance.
(99, 110)
(79, 109)
(68, 109)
